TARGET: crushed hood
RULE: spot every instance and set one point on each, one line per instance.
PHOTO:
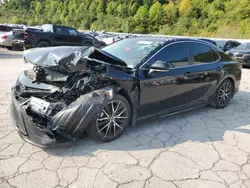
(70, 59)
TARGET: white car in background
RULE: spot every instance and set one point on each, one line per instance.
(108, 38)
(6, 39)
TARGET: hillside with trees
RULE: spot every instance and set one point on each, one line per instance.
(211, 18)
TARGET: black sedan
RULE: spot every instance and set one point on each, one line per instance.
(77, 90)
(241, 54)
(231, 44)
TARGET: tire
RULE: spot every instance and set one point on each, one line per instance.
(110, 128)
(224, 94)
(43, 44)
(9, 47)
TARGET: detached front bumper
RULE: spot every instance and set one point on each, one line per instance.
(30, 131)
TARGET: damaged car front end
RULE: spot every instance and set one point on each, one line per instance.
(56, 101)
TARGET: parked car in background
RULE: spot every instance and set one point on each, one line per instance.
(109, 38)
(94, 33)
(6, 40)
(54, 35)
(230, 45)
(241, 54)
(102, 91)
(5, 28)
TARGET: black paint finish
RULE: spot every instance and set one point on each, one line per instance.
(195, 70)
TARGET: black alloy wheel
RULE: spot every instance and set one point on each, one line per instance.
(224, 94)
(112, 121)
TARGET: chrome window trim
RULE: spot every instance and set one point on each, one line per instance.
(199, 42)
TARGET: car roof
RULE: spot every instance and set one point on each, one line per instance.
(170, 40)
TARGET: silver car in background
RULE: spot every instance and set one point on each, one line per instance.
(6, 39)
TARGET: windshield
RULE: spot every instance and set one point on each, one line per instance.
(245, 46)
(132, 51)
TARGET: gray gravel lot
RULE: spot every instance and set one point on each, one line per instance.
(203, 148)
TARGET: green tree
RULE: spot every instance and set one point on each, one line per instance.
(93, 7)
(133, 7)
(156, 15)
(215, 18)
(141, 19)
(15, 20)
(122, 10)
(111, 8)
(184, 6)
(100, 7)
(38, 7)
(170, 13)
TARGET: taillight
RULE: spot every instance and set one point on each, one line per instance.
(26, 35)
(4, 37)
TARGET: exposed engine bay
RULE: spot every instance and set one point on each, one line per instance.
(66, 88)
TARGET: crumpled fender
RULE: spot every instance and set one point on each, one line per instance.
(75, 118)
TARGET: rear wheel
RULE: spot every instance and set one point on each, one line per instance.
(112, 120)
(223, 94)
(43, 44)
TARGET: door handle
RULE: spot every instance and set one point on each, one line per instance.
(188, 74)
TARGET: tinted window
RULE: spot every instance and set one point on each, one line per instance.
(175, 54)
(5, 28)
(203, 53)
(62, 31)
(73, 32)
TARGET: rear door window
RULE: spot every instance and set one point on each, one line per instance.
(203, 53)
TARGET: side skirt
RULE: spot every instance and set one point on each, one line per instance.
(174, 111)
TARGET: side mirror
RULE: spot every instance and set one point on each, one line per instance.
(159, 66)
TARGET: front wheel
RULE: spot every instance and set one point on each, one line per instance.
(223, 94)
(112, 120)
